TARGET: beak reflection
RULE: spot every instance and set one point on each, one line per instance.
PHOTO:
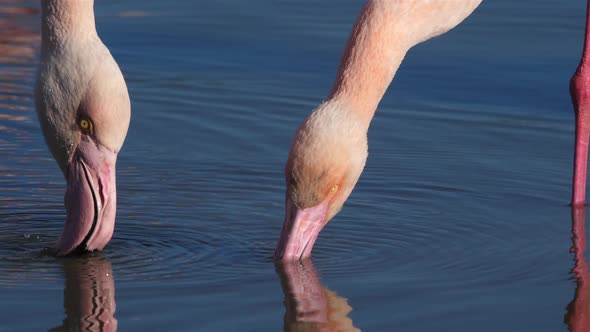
(309, 306)
(89, 295)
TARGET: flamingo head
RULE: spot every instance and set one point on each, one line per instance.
(326, 159)
(84, 129)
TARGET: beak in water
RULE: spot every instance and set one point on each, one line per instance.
(90, 199)
(300, 230)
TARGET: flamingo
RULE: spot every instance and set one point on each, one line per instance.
(329, 149)
(83, 109)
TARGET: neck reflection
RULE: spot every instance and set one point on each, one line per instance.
(89, 295)
(577, 317)
(308, 305)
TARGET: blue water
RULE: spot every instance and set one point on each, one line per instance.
(459, 222)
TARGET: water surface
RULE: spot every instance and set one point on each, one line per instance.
(459, 221)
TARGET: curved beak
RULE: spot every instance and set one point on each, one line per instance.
(90, 199)
(300, 230)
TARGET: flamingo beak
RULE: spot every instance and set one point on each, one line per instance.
(300, 230)
(90, 199)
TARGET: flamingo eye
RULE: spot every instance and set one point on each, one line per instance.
(334, 189)
(85, 125)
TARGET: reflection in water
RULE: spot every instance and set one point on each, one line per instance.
(577, 317)
(89, 295)
(18, 49)
(308, 305)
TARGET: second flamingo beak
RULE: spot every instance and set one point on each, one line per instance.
(300, 230)
(90, 199)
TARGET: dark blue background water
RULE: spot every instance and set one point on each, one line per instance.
(459, 222)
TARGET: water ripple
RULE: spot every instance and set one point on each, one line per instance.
(456, 202)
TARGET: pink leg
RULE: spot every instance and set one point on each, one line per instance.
(580, 92)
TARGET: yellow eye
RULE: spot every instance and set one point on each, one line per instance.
(334, 189)
(84, 124)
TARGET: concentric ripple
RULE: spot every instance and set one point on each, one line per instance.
(179, 227)
(418, 213)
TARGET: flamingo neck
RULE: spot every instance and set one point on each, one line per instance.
(63, 20)
(383, 33)
(374, 52)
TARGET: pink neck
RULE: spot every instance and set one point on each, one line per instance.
(62, 20)
(371, 58)
(384, 31)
